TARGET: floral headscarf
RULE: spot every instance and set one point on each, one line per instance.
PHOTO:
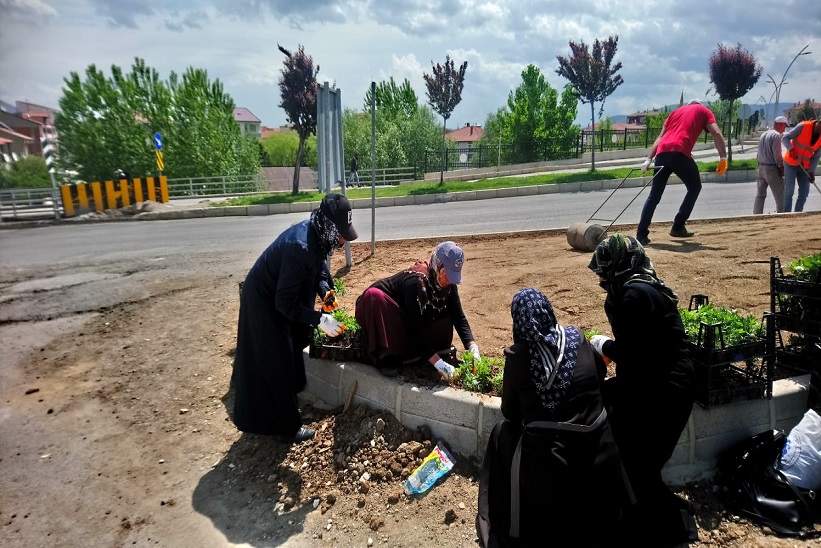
(619, 261)
(326, 231)
(552, 348)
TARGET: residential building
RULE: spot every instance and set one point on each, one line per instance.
(465, 139)
(249, 124)
(640, 118)
(795, 113)
(22, 126)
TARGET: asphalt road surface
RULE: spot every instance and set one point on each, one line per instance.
(77, 241)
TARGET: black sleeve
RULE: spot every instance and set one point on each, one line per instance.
(296, 264)
(460, 322)
(512, 383)
(630, 333)
(326, 281)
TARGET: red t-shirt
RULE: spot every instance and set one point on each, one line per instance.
(683, 128)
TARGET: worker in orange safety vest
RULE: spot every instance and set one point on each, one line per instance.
(802, 150)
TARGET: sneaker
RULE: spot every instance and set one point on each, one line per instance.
(681, 232)
(303, 434)
(643, 240)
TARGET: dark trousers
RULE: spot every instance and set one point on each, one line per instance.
(685, 168)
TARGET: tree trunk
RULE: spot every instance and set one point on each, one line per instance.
(730, 140)
(300, 151)
(442, 157)
(592, 137)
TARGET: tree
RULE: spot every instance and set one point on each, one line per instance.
(444, 90)
(393, 99)
(807, 112)
(298, 89)
(27, 172)
(536, 119)
(282, 146)
(108, 123)
(733, 72)
(592, 76)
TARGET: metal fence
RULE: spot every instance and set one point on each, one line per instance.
(28, 203)
(227, 185)
(386, 176)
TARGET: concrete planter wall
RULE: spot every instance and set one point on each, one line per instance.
(464, 419)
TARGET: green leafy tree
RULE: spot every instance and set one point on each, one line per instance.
(807, 112)
(27, 172)
(733, 72)
(536, 119)
(282, 147)
(108, 123)
(592, 75)
(392, 99)
(298, 89)
(444, 90)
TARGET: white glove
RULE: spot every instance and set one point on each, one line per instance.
(646, 165)
(597, 341)
(330, 325)
(474, 349)
(445, 369)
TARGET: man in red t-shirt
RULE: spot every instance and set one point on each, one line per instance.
(673, 152)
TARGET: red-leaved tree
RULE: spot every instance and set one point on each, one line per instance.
(733, 72)
(297, 87)
(592, 77)
(444, 89)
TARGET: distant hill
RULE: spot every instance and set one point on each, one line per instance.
(746, 110)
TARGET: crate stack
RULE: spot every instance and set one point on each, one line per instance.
(730, 373)
(796, 306)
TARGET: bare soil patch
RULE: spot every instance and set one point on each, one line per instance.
(114, 425)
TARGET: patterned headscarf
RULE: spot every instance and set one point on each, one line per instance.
(619, 261)
(552, 348)
(326, 231)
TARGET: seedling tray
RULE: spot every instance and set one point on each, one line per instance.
(346, 347)
(724, 385)
(728, 354)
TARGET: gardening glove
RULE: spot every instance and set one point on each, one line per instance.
(721, 168)
(329, 302)
(646, 165)
(597, 341)
(445, 369)
(330, 326)
(474, 350)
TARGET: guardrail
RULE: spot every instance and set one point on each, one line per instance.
(27, 203)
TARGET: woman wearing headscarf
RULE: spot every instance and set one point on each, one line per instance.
(412, 314)
(277, 317)
(651, 396)
(551, 474)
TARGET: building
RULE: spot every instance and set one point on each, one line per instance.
(22, 126)
(465, 138)
(640, 118)
(249, 124)
(795, 113)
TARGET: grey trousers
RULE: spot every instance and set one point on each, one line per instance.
(769, 176)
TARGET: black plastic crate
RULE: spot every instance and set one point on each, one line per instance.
(346, 347)
(721, 385)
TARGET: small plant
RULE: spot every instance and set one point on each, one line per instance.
(807, 269)
(351, 328)
(736, 329)
(483, 375)
(339, 288)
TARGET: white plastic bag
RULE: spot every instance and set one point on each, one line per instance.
(801, 457)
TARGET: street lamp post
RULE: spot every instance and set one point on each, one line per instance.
(783, 78)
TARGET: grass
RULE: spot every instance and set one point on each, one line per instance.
(417, 189)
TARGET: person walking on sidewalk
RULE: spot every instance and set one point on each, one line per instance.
(770, 167)
(672, 151)
(802, 149)
(354, 176)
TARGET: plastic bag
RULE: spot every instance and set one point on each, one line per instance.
(435, 465)
(801, 457)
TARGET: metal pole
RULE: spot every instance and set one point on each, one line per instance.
(782, 82)
(54, 195)
(373, 168)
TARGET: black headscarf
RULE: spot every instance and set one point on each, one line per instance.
(326, 231)
(552, 348)
(619, 261)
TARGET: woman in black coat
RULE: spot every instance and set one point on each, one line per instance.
(650, 399)
(277, 317)
(551, 474)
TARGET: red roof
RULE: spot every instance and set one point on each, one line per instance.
(4, 141)
(242, 114)
(467, 134)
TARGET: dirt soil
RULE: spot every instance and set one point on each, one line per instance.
(115, 400)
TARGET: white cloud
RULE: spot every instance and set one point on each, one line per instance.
(664, 48)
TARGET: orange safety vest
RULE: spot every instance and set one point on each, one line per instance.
(802, 148)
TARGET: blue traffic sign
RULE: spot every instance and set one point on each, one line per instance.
(158, 141)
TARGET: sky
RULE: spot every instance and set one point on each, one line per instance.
(664, 46)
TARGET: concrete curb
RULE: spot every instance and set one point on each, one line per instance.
(464, 419)
(365, 203)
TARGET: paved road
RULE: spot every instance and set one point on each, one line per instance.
(76, 242)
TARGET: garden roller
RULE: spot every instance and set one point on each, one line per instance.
(586, 236)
